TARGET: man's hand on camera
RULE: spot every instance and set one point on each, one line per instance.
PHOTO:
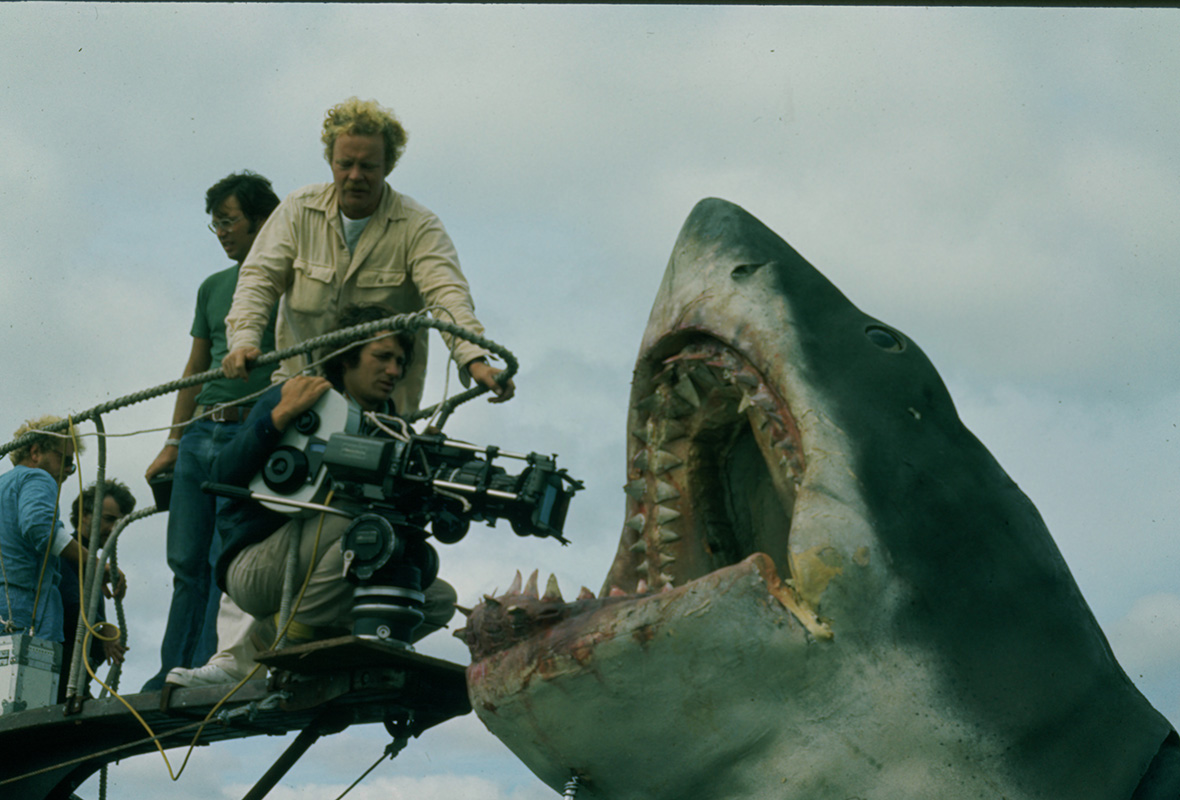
(299, 394)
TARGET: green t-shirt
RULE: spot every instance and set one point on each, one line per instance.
(214, 299)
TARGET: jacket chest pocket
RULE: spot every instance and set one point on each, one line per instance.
(369, 278)
(381, 286)
(312, 288)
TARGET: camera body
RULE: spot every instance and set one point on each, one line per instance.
(395, 483)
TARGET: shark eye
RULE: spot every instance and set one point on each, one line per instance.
(885, 338)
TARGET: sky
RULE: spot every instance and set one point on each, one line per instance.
(999, 184)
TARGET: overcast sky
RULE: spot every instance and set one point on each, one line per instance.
(1000, 184)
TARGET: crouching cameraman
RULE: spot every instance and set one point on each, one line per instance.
(255, 539)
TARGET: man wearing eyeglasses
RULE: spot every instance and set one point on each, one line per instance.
(32, 538)
(204, 419)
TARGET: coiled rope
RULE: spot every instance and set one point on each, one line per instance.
(398, 322)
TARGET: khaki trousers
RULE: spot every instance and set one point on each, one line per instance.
(254, 583)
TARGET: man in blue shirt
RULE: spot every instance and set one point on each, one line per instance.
(32, 538)
(205, 418)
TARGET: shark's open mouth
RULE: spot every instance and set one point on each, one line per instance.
(714, 465)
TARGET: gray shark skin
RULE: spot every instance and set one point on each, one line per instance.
(826, 587)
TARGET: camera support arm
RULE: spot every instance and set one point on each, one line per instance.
(240, 493)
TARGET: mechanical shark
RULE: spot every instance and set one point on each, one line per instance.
(826, 586)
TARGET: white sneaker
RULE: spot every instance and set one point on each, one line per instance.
(208, 675)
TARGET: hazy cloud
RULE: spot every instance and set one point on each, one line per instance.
(1000, 184)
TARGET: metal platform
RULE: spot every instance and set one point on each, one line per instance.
(318, 688)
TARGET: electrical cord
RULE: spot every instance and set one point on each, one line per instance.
(438, 414)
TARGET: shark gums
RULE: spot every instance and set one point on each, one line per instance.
(826, 587)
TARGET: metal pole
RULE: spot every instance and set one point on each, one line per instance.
(283, 764)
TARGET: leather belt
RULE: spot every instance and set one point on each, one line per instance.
(223, 413)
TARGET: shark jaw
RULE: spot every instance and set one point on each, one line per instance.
(716, 468)
(705, 575)
(825, 586)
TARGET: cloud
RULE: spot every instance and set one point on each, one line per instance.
(998, 183)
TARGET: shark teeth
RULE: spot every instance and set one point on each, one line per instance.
(662, 461)
(685, 389)
(552, 591)
(701, 391)
(665, 515)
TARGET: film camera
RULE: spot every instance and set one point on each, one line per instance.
(394, 483)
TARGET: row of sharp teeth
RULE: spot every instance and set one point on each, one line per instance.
(657, 468)
(656, 471)
(553, 591)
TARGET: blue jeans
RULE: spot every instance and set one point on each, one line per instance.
(190, 638)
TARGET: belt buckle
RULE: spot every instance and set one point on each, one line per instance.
(219, 413)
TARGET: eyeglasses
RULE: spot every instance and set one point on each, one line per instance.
(224, 224)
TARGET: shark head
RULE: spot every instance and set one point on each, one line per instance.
(825, 587)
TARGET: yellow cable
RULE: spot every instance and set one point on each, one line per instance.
(306, 580)
(91, 631)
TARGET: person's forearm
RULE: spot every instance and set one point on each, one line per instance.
(182, 412)
(263, 277)
(199, 360)
(434, 265)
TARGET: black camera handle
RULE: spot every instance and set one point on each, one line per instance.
(241, 493)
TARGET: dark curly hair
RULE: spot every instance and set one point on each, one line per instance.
(358, 314)
(110, 488)
(254, 192)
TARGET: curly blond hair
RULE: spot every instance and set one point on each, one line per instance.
(45, 441)
(364, 118)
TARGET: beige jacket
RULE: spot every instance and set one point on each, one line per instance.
(403, 259)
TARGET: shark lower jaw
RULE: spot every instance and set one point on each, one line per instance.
(714, 466)
(630, 664)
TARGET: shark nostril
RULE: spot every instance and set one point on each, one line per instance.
(743, 271)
